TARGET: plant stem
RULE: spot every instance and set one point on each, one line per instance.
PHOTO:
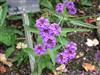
(29, 40)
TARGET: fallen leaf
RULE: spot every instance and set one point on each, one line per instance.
(50, 74)
(80, 55)
(2, 57)
(98, 19)
(89, 20)
(91, 43)
(2, 69)
(57, 73)
(8, 63)
(95, 42)
(17, 74)
(89, 67)
(61, 67)
(4, 60)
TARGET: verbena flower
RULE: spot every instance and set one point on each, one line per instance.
(72, 11)
(97, 56)
(69, 4)
(59, 7)
(49, 41)
(39, 49)
(71, 46)
(55, 29)
(70, 50)
(45, 31)
(70, 53)
(41, 22)
(61, 58)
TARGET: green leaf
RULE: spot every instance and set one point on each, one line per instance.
(9, 51)
(0, 12)
(31, 19)
(47, 4)
(44, 61)
(67, 30)
(62, 40)
(7, 35)
(74, 21)
(39, 39)
(33, 30)
(14, 17)
(86, 2)
(29, 51)
(52, 53)
(2, 0)
(19, 56)
(80, 23)
(3, 14)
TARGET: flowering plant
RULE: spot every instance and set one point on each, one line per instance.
(49, 29)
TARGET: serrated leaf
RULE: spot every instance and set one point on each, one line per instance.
(80, 23)
(67, 30)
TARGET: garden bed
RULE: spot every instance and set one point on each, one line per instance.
(74, 30)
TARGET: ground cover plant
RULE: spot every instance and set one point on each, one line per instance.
(60, 39)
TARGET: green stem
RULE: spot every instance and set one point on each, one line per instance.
(59, 35)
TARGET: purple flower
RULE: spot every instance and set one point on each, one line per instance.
(61, 58)
(97, 56)
(70, 50)
(55, 29)
(72, 11)
(69, 4)
(49, 41)
(39, 49)
(70, 53)
(59, 7)
(45, 31)
(71, 46)
(41, 22)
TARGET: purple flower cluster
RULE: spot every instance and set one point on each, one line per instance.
(41, 22)
(68, 4)
(59, 7)
(47, 32)
(71, 7)
(68, 53)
